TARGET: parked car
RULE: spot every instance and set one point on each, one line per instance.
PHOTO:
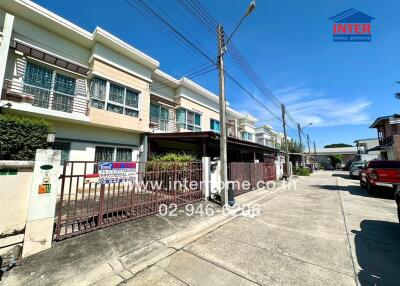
(354, 170)
(380, 173)
(397, 199)
(346, 166)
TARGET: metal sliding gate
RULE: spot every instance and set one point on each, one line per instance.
(251, 172)
(85, 205)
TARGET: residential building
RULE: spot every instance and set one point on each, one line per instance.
(247, 127)
(364, 145)
(196, 126)
(93, 87)
(388, 128)
(265, 135)
(348, 154)
(103, 96)
(365, 149)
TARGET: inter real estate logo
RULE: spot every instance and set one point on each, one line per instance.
(352, 26)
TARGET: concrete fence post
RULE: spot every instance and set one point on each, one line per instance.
(206, 165)
(42, 202)
(215, 179)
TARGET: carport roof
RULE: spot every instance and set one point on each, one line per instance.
(211, 136)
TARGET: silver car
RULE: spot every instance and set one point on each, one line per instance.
(355, 169)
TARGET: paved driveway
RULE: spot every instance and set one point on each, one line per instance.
(327, 232)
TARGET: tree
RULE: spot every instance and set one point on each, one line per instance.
(335, 159)
(337, 145)
(293, 146)
(397, 94)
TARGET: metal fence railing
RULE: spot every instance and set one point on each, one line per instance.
(254, 173)
(85, 204)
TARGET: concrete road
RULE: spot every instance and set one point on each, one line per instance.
(326, 232)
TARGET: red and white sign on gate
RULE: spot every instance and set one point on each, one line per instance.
(117, 172)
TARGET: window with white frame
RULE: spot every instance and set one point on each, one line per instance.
(189, 120)
(120, 99)
(247, 136)
(113, 154)
(214, 125)
(64, 91)
(159, 115)
(123, 155)
(98, 89)
(38, 82)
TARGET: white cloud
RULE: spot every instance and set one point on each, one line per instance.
(307, 105)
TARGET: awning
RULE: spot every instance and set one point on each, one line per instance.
(377, 148)
(162, 100)
(48, 58)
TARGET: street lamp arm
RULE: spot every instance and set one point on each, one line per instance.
(234, 31)
(250, 9)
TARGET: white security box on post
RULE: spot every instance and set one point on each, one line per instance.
(42, 202)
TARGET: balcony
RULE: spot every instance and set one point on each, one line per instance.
(230, 130)
(44, 98)
(160, 125)
(386, 140)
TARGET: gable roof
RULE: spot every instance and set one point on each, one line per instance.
(383, 118)
(352, 16)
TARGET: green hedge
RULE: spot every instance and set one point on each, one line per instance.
(174, 157)
(20, 136)
(170, 161)
(301, 171)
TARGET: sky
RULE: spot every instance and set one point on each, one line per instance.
(341, 87)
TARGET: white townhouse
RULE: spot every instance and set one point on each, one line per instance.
(102, 95)
(93, 87)
(265, 135)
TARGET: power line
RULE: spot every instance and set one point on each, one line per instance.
(209, 24)
(244, 65)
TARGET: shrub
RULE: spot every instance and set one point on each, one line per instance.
(20, 136)
(301, 171)
(170, 161)
(174, 157)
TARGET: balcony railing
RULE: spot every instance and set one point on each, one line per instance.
(44, 98)
(159, 125)
(386, 140)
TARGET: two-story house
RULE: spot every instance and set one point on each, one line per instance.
(93, 87)
(388, 128)
(106, 99)
(265, 135)
(196, 126)
(247, 127)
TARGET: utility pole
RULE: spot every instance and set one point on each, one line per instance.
(301, 144)
(222, 120)
(286, 141)
(315, 150)
(308, 143)
(222, 46)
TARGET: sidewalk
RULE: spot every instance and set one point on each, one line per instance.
(115, 254)
(299, 238)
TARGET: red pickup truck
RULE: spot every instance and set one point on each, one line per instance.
(380, 173)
